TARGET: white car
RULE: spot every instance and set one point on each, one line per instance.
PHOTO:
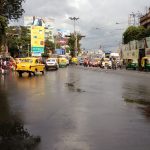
(51, 63)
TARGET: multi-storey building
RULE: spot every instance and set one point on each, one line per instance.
(49, 34)
(145, 20)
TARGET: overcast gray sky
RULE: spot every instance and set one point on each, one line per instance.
(101, 14)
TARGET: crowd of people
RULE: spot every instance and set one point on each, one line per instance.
(7, 64)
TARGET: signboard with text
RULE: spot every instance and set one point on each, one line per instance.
(37, 40)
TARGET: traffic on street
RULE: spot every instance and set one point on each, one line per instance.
(74, 75)
(78, 108)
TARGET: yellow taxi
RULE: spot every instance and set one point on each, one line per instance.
(74, 60)
(31, 65)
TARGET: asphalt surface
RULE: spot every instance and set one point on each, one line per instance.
(79, 108)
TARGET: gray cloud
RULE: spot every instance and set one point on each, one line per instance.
(102, 14)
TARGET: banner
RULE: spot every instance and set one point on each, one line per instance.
(61, 36)
(45, 22)
(37, 40)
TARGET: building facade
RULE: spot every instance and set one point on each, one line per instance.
(145, 20)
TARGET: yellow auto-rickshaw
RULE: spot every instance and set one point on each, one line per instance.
(145, 63)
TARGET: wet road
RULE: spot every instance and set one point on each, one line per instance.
(81, 109)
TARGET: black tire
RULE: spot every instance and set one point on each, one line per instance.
(29, 74)
(20, 74)
(43, 72)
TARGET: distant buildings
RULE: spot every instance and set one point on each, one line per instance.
(145, 20)
(49, 34)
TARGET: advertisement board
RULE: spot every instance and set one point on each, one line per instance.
(62, 33)
(46, 22)
(37, 40)
(61, 36)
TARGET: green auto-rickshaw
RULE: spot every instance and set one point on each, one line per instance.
(145, 63)
(132, 64)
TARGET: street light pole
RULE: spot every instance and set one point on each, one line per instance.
(75, 34)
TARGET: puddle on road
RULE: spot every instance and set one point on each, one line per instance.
(13, 135)
(137, 101)
(71, 86)
(138, 94)
(144, 106)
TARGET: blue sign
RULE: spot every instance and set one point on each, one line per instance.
(60, 51)
(37, 51)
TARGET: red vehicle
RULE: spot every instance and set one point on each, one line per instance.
(86, 62)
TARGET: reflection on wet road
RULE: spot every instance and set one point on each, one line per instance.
(77, 109)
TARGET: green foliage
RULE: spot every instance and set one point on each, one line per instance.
(147, 32)
(71, 43)
(11, 9)
(18, 38)
(3, 26)
(67, 49)
(141, 33)
(49, 45)
(130, 34)
(135, 33)
(45, 55)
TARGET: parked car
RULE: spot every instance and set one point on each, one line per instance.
(30, 65)
(51, 63)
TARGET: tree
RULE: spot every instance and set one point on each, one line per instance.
(141, 33)
(49, 46)
(147, 32)
(134, 33)
(71, 43)
(3, 26)
(18, 39)
(9, 10)
(130, 34)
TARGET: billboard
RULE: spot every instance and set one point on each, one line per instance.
(61, 36)
(62, 33)
(37, 40)
(46, 22)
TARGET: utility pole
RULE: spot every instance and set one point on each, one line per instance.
(134, 19)
(75, 33)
